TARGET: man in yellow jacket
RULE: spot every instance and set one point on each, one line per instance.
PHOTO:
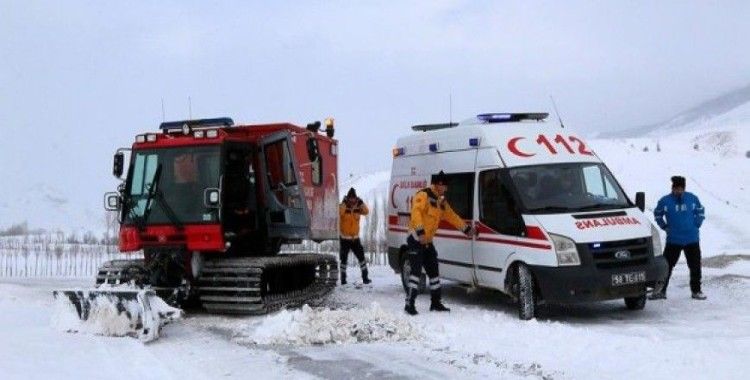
(429, 207)
(349, 212)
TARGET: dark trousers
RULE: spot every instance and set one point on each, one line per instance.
(693, 257)
(422, 255)
(354, 245)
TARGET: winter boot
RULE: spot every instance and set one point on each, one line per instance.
(365, 278)
(410, 298)
(659, 292)
(660, 295)
(342, 276)
(699, 296)
(410, 309)
(436, 305)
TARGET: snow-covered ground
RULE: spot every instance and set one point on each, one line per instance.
(363, 332)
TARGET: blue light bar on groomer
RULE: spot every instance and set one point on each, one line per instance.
(199, 123)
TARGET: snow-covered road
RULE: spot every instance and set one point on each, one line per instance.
(480, 338)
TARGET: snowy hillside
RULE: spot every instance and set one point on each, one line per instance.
(713, 111)
(41, 205)
(369, 186)
(712, 153)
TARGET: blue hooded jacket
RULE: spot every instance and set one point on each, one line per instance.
(681, 217)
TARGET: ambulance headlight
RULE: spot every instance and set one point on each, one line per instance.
(566, 251)
(656, 241)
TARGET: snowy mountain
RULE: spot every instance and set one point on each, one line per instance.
(714, 164)
(711, 112)
(41, 205)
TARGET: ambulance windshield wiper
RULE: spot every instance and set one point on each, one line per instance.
(599, 206)
(552, 209)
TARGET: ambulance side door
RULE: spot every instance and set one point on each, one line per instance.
(500, 227)
(454, 248)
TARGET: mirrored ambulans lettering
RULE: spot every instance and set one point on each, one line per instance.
(402, 192)
(558, 144)
(604, 222)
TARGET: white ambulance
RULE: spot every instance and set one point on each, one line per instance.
(554, 224)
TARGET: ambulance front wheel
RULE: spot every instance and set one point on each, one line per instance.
(406, 272)
(636, 303)
(525, 293)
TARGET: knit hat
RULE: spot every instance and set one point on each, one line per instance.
(440, 179)
(352, 193)
(678, 181)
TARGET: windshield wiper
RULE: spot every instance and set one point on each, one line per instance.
(129, 210)
(552, 209)
(168, 210)
(600, 206)
(152, 189)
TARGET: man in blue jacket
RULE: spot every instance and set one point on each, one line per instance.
(681, 215)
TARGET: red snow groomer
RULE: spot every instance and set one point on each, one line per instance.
(210, 204)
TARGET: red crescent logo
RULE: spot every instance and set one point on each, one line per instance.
(393, 201)
(514, 149)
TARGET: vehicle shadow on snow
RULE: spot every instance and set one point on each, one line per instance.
(605, 312)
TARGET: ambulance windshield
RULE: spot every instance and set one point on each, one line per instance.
(570, 187)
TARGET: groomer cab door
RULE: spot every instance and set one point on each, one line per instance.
(286, 210)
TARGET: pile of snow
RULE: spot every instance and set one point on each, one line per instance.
(310, 326)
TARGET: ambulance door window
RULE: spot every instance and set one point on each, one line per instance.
(498, 208)
(460, 194)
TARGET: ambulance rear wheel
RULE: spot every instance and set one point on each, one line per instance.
(525, 293)
(406, 272)
(635, 303)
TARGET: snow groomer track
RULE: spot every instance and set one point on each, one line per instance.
(259, 285)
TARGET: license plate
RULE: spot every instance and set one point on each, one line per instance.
(628, 278)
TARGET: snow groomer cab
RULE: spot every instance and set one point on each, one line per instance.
(554, 224)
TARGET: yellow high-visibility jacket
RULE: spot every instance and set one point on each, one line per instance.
(349, 220)
(427, 211)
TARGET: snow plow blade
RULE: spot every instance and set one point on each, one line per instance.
(138, 313)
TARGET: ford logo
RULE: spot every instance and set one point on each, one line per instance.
(622, 255)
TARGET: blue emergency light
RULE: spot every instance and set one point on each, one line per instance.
(433, 147)
(474, 141)
(494, 117)
(511, 117)
(198, 123)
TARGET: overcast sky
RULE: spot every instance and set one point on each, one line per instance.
(79, 79)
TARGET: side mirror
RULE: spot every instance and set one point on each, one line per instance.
(211, 197)
(313, 152)
(640, 200)
(112, 201)
(118, 164)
